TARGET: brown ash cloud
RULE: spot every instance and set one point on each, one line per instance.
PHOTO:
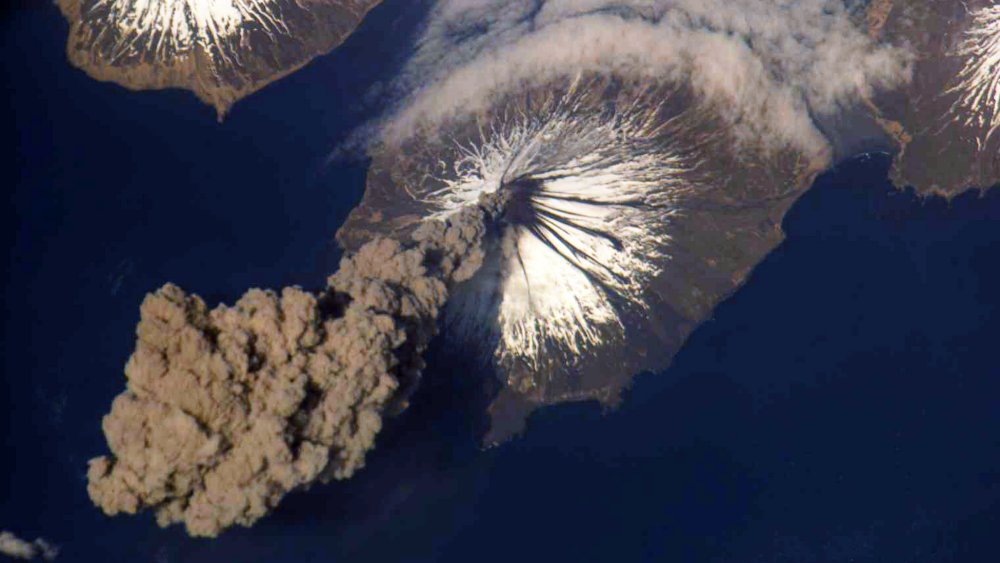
(228, 410)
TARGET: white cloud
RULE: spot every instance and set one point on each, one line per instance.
(15, 547)
(764, 65)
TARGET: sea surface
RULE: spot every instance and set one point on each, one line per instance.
(843, 406)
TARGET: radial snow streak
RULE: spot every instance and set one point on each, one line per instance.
(589, 195)
(164, 27)
(978, 83)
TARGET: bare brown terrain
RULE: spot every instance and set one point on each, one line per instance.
(939, 151)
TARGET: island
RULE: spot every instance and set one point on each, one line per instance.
(221, 50)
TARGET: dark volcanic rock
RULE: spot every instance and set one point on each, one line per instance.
(550, 310)
(944, 122)
(222, 50)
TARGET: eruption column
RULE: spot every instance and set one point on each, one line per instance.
(228, 410)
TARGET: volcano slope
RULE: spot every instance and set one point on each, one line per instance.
(222, 50)
(629, 210)
(946, 122)
(645, 174)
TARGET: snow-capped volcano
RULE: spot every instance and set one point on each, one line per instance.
(222, 50)
(978, 83)
(629, 208)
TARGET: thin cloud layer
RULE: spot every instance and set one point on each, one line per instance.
(764, 65)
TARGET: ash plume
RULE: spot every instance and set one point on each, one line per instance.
(17, 548)
(228, 410)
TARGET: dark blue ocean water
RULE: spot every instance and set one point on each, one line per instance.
(843, 406)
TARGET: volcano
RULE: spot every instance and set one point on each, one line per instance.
(222, 50)
(629, 211)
